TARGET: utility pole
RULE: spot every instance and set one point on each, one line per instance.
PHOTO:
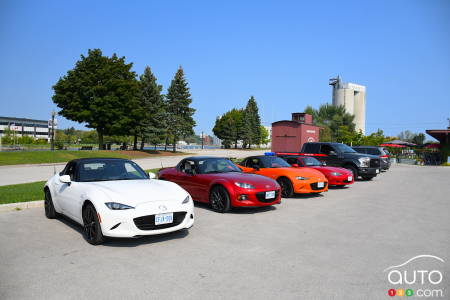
(202, 140)
(53, 131)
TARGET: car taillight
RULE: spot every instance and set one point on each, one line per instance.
(384, 156)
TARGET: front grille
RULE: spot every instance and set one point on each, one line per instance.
(315, 187)
(261, 196)
(148, 222)
(374, 163)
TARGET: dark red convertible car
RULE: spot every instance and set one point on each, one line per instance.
(336, 176)
(221, 183)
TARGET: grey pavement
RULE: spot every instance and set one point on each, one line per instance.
(332, 246)
(29, 173)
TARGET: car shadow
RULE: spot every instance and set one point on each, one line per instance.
(238, 210)
(128, 242)
(338, 187)
(307, 196)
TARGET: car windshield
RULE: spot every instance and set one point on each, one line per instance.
(274, 162)
(310, 161)
(108, 170)
(216, 165)
(344, 148)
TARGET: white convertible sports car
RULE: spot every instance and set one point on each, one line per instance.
(116, 198)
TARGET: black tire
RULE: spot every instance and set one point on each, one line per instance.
(220, 199)
(287, 189)
(354, 171)
(91, 226)
(367, 178)
(50, 211)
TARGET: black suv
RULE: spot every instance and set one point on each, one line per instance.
(340, 155)
(382, 153)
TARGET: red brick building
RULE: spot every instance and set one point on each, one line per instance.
(289, 136)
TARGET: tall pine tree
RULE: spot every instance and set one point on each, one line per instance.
(252, 123)
(153, 124)
(179, 114)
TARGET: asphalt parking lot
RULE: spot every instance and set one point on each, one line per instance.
(332, 246)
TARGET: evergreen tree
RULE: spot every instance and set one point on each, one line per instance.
(179, 114)
(252, 123)
(152, 127)
(102, 92)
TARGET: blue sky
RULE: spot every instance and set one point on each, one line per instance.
(281, 52)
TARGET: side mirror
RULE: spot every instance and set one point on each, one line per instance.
(332, 153)
(65, 179)
(151, 175)
(256, 167)
(294, 165)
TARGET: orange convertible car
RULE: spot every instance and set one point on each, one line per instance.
(291, 180)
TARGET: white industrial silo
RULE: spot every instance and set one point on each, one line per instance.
(353, 98)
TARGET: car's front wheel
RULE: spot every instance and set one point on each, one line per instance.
(287, 190)
(50, 211)
(219, 199)
(354, 171)
(91, 225)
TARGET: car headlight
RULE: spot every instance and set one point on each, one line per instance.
(186, 200)
(117, 206)
(244, 185)
(364, 161)
(336, 174)
(301, 178)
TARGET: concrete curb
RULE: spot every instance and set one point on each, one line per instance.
(21, 205)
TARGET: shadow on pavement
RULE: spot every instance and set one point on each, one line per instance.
(238, 210)
(128, 242)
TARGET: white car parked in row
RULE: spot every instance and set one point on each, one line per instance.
(116, 198)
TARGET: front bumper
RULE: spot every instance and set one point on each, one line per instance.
(341, 180)
(254, 198)
(121, 223)
(368, 171)
(309, 186)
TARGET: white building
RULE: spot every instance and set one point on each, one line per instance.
(353, 97)
(39, 129)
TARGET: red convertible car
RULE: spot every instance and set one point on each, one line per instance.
(336, 176)
(221, 183)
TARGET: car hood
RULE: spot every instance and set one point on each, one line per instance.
(304, 172)
(358, 155)
(333, 169)
(257, 181)
(135, 192)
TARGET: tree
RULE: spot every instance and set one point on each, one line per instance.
(230, 127)
(153, 123)
(179, 113)
(264, 136)
(252, 123)
(331, 118)
(102, 92)
(418, 139)
(70, 135)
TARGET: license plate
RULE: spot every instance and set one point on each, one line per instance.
(164, 218)
(377, 171)
(320, 184)
(350, 178)
(270, 195)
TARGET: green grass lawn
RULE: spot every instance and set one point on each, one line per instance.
(30, 191)
(40, 157)
(22, 192)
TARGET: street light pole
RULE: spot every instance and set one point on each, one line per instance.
(202, 139)
(53, 131)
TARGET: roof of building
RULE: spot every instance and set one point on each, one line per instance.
(23, 120)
